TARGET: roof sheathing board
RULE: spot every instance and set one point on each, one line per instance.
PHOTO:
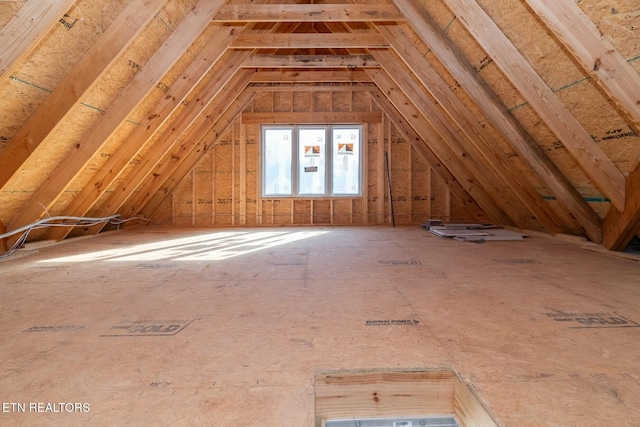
(484, 155)
(85, 114)
(33, 80)
(35, 77)
(572, 84)
(143, 48)
(122, 134)
(619, 21)
(509, 21)
(8, 9)
(166, 129)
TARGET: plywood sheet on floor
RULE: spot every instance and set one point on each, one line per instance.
(229, 327)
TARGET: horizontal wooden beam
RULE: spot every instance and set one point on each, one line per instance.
(311, 76)
(307, 13)
(311, 61)
(306, 87)
(348, 395)
(316, 117)
(309, 41)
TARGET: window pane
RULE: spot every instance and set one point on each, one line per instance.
(277, 162)
(346, 161)
(312, 160)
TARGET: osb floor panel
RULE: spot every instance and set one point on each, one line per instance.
(227, 327)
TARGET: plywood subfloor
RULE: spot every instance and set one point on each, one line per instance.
(228, 327)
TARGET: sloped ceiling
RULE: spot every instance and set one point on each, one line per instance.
(106, 101)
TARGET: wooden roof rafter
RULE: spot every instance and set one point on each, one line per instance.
(614, 75)
(25, 29)
(144, 81)
(148, 204)
(213, 99)
(470, 154)
(594, 52)
(82, 77)
(437, 119)
(492, 156)
(414, 117)
(182, 159)
(619, 227)
(504, 121)
(425, 151)
(163, 111)
(85, 201)
(586, 152)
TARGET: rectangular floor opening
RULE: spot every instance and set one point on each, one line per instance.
(436, 398)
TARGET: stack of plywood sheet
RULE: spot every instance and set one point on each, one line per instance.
(473, 232)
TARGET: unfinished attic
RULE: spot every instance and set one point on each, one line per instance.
(213, 212)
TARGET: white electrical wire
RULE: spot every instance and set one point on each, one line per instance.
(67, 221)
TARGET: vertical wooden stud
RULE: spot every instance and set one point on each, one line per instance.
(3, 242)
(387, 147)
(193, 196)
(233, 175)
(258, 169)
(213, 186)
(409, 171)
(331, 213)
(430, 187)
(380, 172)
(173, 210)
(243, 174)
(365, 174)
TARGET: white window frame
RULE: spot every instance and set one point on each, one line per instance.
(329, 157)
